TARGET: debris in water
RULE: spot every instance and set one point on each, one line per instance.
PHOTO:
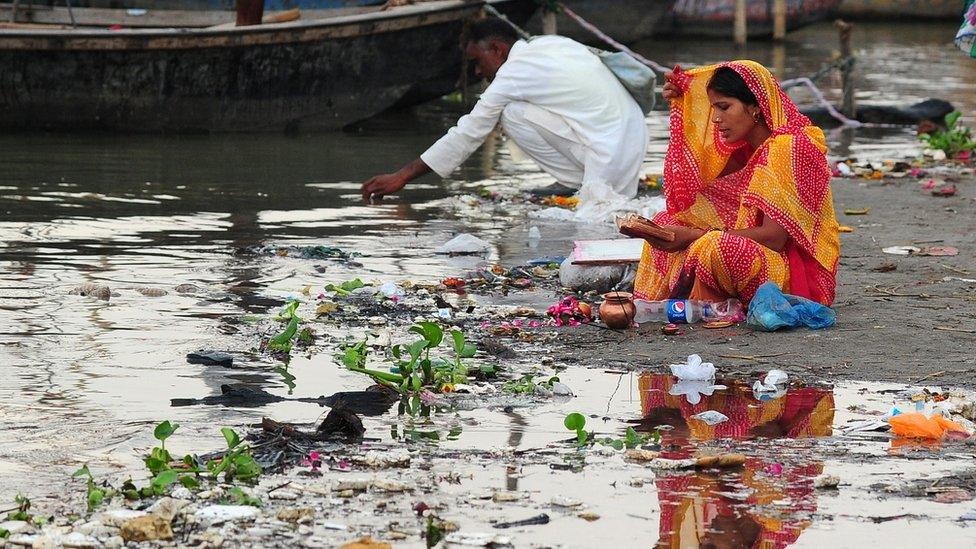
(210, 358)
(538, 519)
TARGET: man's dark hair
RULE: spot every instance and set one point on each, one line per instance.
(491, 28)
(731, 84)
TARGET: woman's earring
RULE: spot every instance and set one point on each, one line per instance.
(755, 117)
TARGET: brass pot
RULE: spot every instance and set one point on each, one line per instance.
(617, 310)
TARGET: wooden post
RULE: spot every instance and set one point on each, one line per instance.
(779, 19)
(549, 22)
(848, 106)
(740, 23)
(249, 12)
(779, 61)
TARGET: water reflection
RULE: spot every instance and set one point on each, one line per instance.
(771, 500)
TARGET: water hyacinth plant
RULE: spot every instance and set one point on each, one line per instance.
(414, 368)
(955, 140)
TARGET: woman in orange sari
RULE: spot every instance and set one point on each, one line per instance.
(747, 187)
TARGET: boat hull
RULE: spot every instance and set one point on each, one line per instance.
(901, 9)
(626, 21)
(292, 76)
(716, 18)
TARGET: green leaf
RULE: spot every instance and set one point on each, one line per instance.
(83, 472)
(240, 498)
(164, 430)
(952, 118)
(575, 421)
(246, 468)
(458, 338)
(416, 349)
(434, 533)
(164, 479)
(632, 439)
(95, 498)
(288, 312)
(351, 285)
(617, 444)
(189, 481)
(468, 351)
(4, 533)
(346, 287)
(231, 437)
(282, 341)
(430, 331)
(581, 437)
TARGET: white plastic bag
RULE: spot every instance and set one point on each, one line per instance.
(464, 243)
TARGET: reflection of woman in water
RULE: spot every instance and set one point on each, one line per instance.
(696, 509)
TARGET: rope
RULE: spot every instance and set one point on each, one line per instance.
(786, 84)
(831, 110)
(521, 32)
(620, 47)
(841, 64)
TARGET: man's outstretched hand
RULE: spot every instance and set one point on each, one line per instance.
(382, 185)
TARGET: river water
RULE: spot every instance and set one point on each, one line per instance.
(85, 380)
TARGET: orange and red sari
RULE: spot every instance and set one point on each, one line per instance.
(787, 179)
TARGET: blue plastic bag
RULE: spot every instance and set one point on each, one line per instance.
(771, 310)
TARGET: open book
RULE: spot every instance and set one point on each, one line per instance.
(636, 226)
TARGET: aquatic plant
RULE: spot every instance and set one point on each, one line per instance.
(576, 422)
(285, 340)
(416, 369)
(94, 495)
(237, 496)
(22, 511)
(282, 341)
(238, 462)
(955, 139)
(346, 287)
(632, 439)
(526, 385)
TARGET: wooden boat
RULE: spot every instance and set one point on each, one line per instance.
(716, 18)
(626, 21)
(887, 10)
(209, 5)
(308, 74)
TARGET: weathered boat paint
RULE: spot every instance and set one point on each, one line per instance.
(303, 75)
(901, 9)
(627, 21)
(715, 18)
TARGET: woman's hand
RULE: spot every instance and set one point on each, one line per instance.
(683, 237)
(670, 91)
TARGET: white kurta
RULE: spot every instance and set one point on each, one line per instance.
(558, 91)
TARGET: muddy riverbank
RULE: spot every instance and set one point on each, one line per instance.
(900, 318)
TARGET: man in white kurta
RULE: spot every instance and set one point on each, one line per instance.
(556, 100)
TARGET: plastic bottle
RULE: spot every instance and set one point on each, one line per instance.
(687, 311)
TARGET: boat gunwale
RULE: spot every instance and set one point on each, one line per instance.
(309, 30)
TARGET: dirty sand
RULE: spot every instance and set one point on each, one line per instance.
(891, 326)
